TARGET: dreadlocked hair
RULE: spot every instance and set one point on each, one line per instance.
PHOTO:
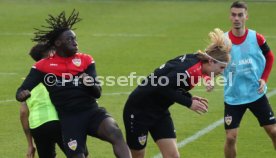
(218, 48)
(57, 25)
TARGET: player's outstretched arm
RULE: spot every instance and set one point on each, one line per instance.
(24, 114)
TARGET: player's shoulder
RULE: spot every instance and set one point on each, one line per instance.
(85, 57)
(184, 61)
(39, 65)
(260, 38)
(184, 58)
(188, 59)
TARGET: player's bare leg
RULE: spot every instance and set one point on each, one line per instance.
(168, 148)
(271, 131)
(230, 149)
(138, 153)
(109, 131)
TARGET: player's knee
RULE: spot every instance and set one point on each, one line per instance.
(231, 139)
(138, 153)
(177, 155)
(271, 131)
(273, 136)
(172, 155)
(115, 134)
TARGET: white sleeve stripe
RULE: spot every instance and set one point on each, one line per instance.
(188, 73)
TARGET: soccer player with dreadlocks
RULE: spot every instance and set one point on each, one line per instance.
(38, 116)
(66, 75)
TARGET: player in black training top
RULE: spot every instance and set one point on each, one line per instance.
(146, 109)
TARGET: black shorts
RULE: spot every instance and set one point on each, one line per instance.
(139, 123)
(260, 108)
(45, 137)
(76, 126)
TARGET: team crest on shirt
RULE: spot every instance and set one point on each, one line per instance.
(228, 120)
(73, 144)
(142, 140)
(76, 61)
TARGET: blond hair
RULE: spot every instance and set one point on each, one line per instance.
(218, 49)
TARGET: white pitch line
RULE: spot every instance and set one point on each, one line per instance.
(135, 35)
(127, 35)
(103, 34)
(196, 135)
(272, 37)
(117, 93)
(16, 34)
(206, 130)
(8, 73)
(271, 93)
(127, 93)
(104, 94)
(6, 101)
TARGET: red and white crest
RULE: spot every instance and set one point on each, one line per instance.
(76, 61)
(142, 139)
(228, 120)
(73, 145)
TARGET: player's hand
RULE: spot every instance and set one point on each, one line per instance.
(23, 95)
(262, 86)
(86, 79)
(202, 100)
(30, 152)
(209, 85)
(199, 105)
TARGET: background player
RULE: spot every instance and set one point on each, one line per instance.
(249, 68)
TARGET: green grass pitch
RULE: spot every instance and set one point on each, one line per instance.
(132, 36)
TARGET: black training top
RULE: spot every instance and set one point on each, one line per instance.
(156, 93)
(61, 76)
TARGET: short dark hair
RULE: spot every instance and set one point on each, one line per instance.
(37, 52)
(57, 25)
(239, 4)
